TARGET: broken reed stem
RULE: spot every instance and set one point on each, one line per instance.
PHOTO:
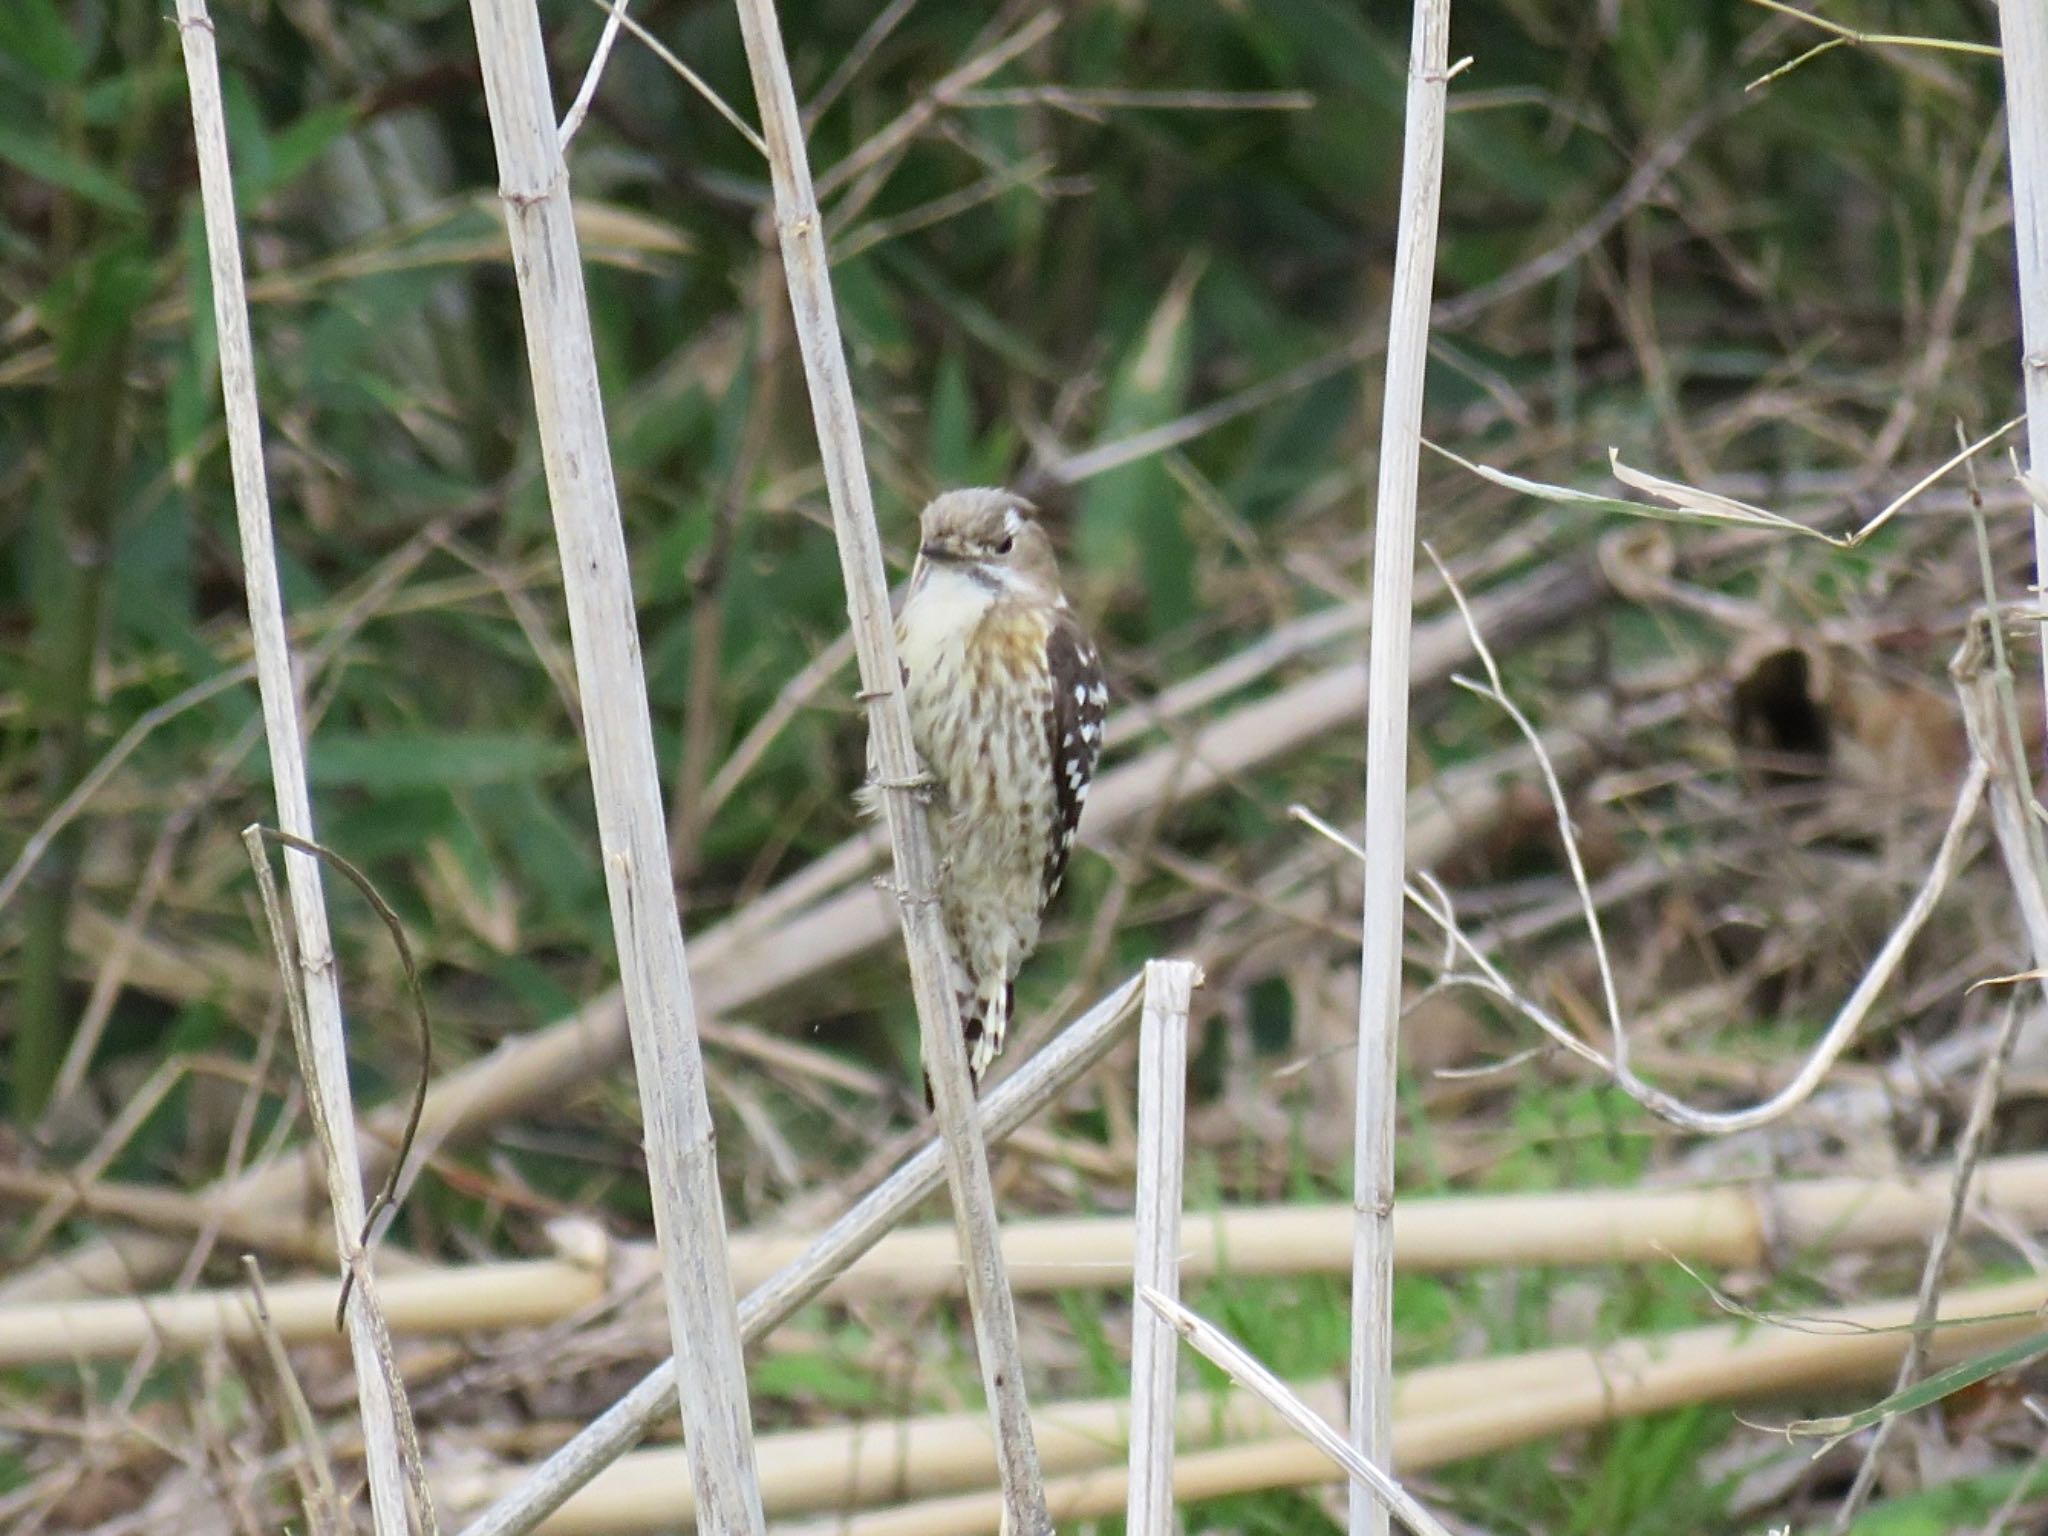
(319, 1497)
(326, 1059)
(358, 1287)
(2023, 37)
(682, 1166)
(1236, 1362)
(801, 229)
(1386, 752)
(1047, 1075)
(1162, 1100)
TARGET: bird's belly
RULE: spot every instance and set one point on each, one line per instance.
(979, 721)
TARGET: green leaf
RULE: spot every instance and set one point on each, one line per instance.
(48, 163)
(1130, 516)
(952, 422)
(1931, 1389)
(426, 759)
(293, 150)
(33, 32)
(92, 306)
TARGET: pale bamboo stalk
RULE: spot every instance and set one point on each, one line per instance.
(682, 1165)
(740, 961)
(1162, 1126)
(1732, 1226)
(2023, 39)
(455, 1300)
(318, 986)
(768, 1305)
(1444, 1414)
(1386, 750)
(898, 772)
(853, 1465)
(1217, 1346)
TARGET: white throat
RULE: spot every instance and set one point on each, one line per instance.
(940, 613)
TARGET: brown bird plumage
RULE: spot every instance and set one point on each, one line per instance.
(1006, 704)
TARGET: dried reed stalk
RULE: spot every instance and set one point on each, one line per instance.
(1742, 1225)
(1386, 751)
(898, 771)
(603, 1441)
(743, 960)
(2023, 37)
(1239, 1364)
(318, 987)
(1444, 1413)
(682, 1167)
(1162, 1101)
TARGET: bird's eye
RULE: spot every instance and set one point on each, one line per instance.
(1009, 541)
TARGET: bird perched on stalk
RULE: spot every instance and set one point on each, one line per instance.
(1006, 703)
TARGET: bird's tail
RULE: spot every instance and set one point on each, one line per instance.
(984, 1020)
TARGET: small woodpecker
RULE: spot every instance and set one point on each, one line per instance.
(1006, 704)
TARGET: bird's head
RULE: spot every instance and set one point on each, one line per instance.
(992, 537)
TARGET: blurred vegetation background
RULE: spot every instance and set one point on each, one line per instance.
(1131, 256)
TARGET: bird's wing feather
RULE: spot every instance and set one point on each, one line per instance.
(1074, 726)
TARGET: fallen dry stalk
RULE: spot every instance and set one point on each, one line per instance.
(1443, 1414)
(741, 961)
(444, 1301)
(1745, 1225)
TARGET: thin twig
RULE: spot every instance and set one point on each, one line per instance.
(66, 810)
(1839, 1032)
(344, 1183)
(881, 148)
(319, 1500)
(1927, 1306)
(1090, 101)
(1386, 751)
(616, 12)
(587, 91)
(414, 992)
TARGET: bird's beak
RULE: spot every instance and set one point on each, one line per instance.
(943, 554)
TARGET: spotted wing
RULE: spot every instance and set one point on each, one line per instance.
(1074, 723)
